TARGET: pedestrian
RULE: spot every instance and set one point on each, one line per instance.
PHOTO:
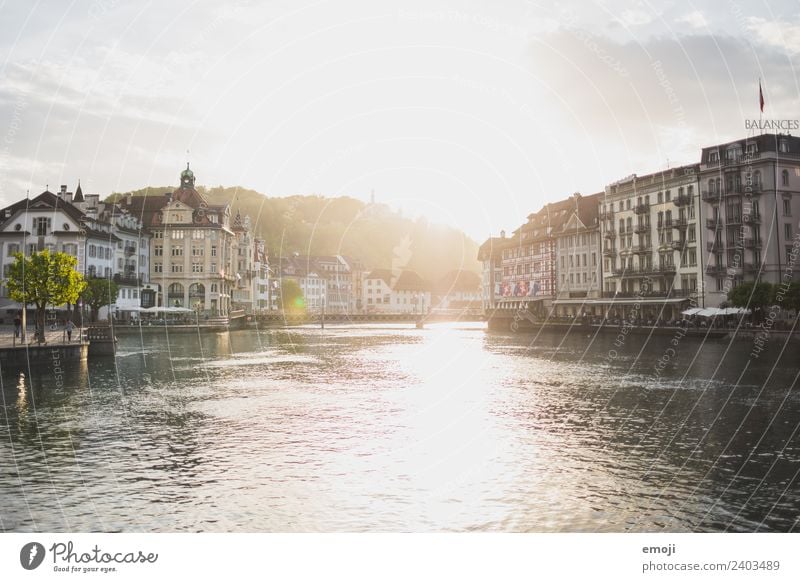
(17, 326)
(70, 327)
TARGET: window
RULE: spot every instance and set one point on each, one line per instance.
(197, 267)
(787, 231)
(788, 255)
(214, 251)
(177, 251)
(108, 254)
(783, 146)
(691, 211)
(213, 287)
(785, 178)
(713, 156)
(41, 225)
(158, 251)
(92, 251)
(158, 268)
(13, 249)
(667, 196)
(177, 234)
(787, 207)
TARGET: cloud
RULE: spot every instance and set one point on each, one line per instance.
(779, 34)
(695, 19)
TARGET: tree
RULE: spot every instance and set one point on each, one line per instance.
(292, 300)
(44, 279)
(753, 296)
(98, 293)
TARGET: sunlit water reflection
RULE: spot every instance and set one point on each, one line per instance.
(387, 428)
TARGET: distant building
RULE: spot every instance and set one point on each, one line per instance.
(651, 255)
(405, 292)
(578, 262)
(108, 242)
(490, 255)
(195, 252)
(458, 290)
(750, 208)
(307, 274)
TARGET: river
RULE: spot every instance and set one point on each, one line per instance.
(391, 428)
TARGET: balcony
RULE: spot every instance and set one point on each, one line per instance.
(610, 234)
(714, 246)
(641, 208)
(734, 220)
(666, 268)
(714, 223)
(752, 218)
(641, 228)
(680, 223)
(753, 189)
(750, 243)
(655, 293)
(127, 279)
(665, 225)
(606, 215)
(682, 200)
(642, 248)
(610, 252)
(717, 270)
(677, 245)
(711, 196)
(130, 250)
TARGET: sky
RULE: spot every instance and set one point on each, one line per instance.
(471, 113)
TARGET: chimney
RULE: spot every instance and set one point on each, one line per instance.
(129, 199)
(62, 193)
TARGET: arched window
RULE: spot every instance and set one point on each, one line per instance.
(176, 289)
(197, 290)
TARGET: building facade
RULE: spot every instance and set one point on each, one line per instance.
(194, 251)
(751, 207)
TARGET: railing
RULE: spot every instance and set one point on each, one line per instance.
(750, 243)
(665, 294)
(610, 234)
(643, 248)
(641, 208)
(735, 219)
(715, 269)
(711, 195)
(677, 245)
(606, 215)
(714, 223)
(682, 200)
(714, 246)
(679, 223)
(129, 250)
(641, 228)
(610, 252)
(754, 218)
(127, 279)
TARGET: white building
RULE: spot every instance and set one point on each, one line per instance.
(406, 292)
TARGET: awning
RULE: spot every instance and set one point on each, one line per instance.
(734, 311)
(622, 301)
(692, 311)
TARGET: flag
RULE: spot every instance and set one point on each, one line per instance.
(760, 97)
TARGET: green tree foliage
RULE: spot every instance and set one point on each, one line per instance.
(98, 293)
(751, 295)
(292, 300)
(44, 279)
(371, 233)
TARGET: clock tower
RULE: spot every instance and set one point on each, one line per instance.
(187, 178)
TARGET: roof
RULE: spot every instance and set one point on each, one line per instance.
(46, 200)
(405, 281)
(458, 280)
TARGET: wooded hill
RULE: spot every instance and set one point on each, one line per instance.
(373, 233)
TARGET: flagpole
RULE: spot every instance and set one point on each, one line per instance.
(760, 107)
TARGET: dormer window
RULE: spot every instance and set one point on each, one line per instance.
(783, 146)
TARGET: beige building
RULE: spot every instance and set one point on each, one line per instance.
(194, 253)
(651, 244)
